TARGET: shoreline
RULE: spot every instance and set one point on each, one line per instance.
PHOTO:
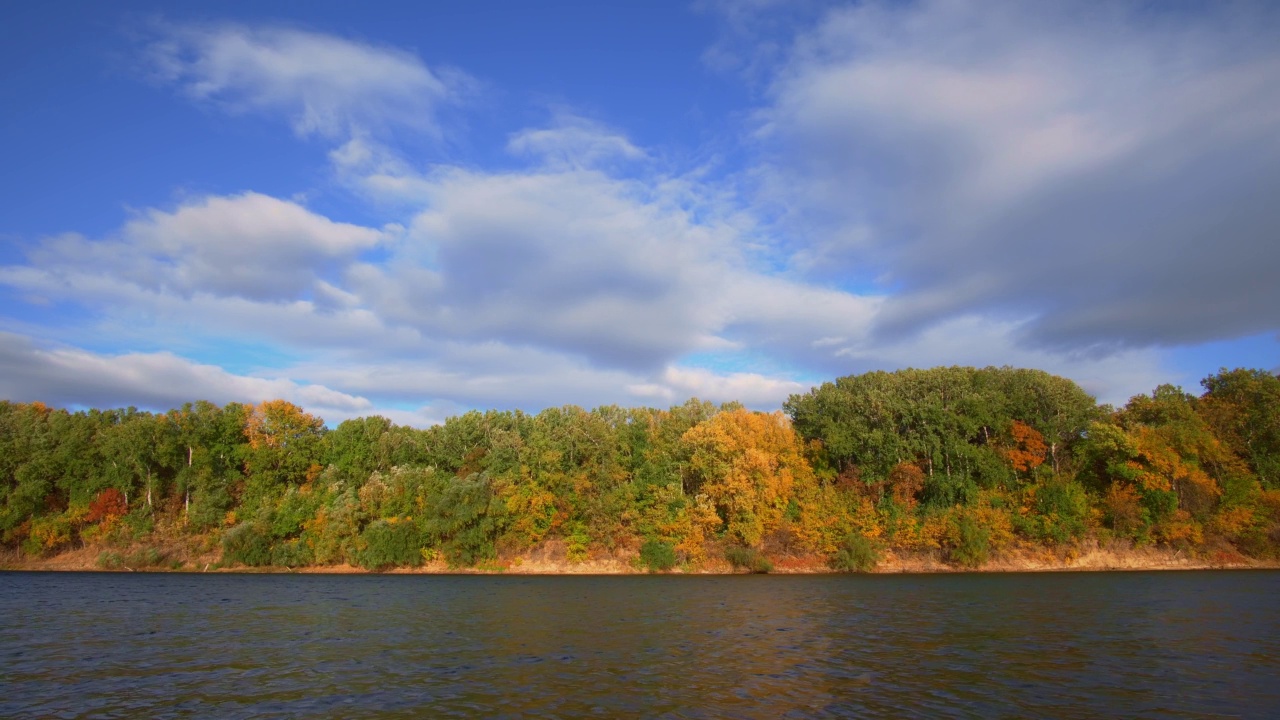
(1090, 559)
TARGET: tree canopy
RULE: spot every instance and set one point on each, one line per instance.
(963, 462)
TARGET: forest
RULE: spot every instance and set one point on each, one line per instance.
(962, 464)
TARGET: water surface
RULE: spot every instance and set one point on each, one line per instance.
(1172, 644)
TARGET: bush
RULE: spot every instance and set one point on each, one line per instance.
(465, 520)
(747, 558)
(291, 554)
(248, 543)
(657, 556)
(577, 543)
(144, 557)
(971, 543)
(388, 543)
(50, 534)
(1124, 514)
(139, 521)
(109, 503)
(1061, 510)
(109, 560)
(294, 509)
(209, 506)
(856, 554)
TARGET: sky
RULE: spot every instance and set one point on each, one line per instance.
(415, 209)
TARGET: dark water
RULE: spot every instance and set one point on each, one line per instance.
(1053, 645)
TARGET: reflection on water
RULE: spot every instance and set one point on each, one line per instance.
(1051, 645)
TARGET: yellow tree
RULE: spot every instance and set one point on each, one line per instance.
(284, 445)
(748, 465)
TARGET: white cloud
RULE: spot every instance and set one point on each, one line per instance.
(978, 341)
(504, 293)
(790, 319)
(573, 142)
(1108, 173)
(249, 245)
(990, 161)
(572, 260)
(751, 389)
(325, 85)
(71, 376)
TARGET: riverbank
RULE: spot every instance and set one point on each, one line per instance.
(547, 561)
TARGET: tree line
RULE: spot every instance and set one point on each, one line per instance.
(962, 462)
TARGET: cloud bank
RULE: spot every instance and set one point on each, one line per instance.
(941, 182)
(1106, 172)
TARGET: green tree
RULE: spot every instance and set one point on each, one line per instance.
(1243, 408)
(356, 448)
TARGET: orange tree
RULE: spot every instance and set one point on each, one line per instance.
(748, 465)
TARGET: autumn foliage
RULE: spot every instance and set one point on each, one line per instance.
(109, 504)
(748, 465)
(1027, 450)
(961, 463)
(279, 423)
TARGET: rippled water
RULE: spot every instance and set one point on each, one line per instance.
(1040, 645)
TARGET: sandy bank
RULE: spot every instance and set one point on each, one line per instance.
(1089, 557)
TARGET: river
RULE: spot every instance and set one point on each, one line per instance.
(1054, 645)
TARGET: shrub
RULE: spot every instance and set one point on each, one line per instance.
(390, 543)
(144, 557)
(577, 543)
(747, 558)
(109, 503)
(856, 554)
(1123, 511)
(970, 546)
(139, 521)
(50, 533)
(209, 505)
(465, 520)
(109, 560)
(334, 531)
(657, 556)
(1061, 510)
(248, 543)
(292, 553)
(294, 509)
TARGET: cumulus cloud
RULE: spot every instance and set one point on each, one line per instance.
(325, 85)
(751, 389)
(570, 260)
(994, 175)
(443, 386)
(71, 376)
(250, 246)
(506, 292)
(1107, 172)
(795, 321)
(628, 274)
(978, 341)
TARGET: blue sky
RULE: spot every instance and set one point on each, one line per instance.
(414, 209)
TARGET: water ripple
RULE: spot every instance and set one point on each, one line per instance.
(1053, 646)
